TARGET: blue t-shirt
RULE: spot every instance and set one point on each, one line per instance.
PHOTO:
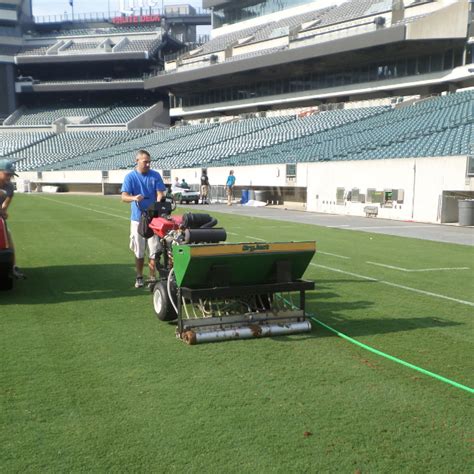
(145, 184)
(230, 180)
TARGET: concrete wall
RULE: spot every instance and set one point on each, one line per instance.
(423, 181)
(449, 22)
(157, 114)
(8, 101)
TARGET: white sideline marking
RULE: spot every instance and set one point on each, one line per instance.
(363, 277)
(396, 285)
(402, 269)
(333, 255)
(255, 238)
(391, 227)
(232, 233)
(85, 208)
(335, 226)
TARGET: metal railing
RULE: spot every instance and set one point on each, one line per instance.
(110, 15)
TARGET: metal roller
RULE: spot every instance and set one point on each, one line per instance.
(249, 332)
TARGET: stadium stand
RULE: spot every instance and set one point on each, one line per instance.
(14, 141)
(118, 44)
(120, 114)
(115, 114)
(47, 153)
(36, 116)
(438, 126)
(95, 31)
(296, 27)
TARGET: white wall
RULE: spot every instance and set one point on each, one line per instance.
(422, 179)
(265, 175)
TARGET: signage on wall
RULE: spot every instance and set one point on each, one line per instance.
(134, 19)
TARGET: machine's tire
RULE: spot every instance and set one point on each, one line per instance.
(161, 304)
(196, 201)
(6, 269)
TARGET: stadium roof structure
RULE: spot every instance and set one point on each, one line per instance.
(339, 40)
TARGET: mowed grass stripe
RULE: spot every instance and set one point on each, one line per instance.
(92, 381)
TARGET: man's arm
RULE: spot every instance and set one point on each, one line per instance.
(160, 188)
(126, 197)
(5, 204)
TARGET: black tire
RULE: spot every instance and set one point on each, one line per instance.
(6, 280)
(196, 201)
(181, 201)
(161, 304)
(6, 271)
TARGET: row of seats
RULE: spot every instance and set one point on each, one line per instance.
(92, 47)
(89, 81)
(116, 114)
(48, 153)
(99, 31)
(349, 10)
(13, 141)
(439, 126)
(36, 116)
(120, 114)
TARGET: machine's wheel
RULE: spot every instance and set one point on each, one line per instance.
(6, 278)
(196, 201)
(6, 270)
(181, 201)
(161, 303)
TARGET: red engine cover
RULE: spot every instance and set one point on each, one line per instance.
(161, 226)
(4, 244)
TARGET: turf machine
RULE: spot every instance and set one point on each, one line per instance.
(219, 291)
(6, 258)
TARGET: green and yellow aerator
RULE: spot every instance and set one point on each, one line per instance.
(219, 291)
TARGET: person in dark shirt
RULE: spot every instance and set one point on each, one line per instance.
(204, 188)
(7, 170)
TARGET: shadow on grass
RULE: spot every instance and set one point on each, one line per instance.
(58, 284)
(336, 314)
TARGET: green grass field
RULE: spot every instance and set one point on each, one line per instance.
(92, 381)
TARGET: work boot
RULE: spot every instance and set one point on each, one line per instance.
(151, 282)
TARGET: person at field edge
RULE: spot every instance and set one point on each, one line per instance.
(142, 187)
(7, 170)
(184, 184)
(229, 185)
(204, 187)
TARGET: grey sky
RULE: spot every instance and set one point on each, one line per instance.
(58, 7)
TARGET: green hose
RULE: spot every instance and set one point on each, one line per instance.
(392, 358)
(387, 356)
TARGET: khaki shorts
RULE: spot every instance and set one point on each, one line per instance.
(204, 190)
(139, 244)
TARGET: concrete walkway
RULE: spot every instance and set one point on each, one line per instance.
(437, 232)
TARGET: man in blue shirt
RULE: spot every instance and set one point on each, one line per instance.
(142, 188)
(230, 187)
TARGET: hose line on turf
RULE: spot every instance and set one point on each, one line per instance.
(313, 318)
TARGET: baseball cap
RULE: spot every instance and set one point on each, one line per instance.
(7, 166)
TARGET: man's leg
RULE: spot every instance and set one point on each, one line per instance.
(139, 264)
(154, 251)
(17, 273)
(137, 246)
